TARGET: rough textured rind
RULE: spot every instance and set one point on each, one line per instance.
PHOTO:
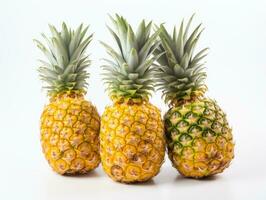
(199, 139)
(132, 142)
(70, 135)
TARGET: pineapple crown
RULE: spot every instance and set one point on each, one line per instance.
(180, 73)
(65, 70)
(129, 74)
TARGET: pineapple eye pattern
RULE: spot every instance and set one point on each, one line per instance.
(205, 122)
(216, 126)
(190, 115)
(182, 124)
(194, 129)
(185, 138)
(208, 133)
(178, 147)
(176, 114)
(207, 112)
(175, 117)
(197, 109)
(174, 132)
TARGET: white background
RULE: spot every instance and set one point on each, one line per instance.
(236, 34)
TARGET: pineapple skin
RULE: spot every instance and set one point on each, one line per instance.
(70, 135)
(132, 143)
(199, 139)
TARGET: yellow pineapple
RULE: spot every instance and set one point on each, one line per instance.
(132, 144)
(69, 124)
(199, 138)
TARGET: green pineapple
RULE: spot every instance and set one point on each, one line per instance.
(199, 139)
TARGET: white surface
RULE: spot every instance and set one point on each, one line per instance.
(236, 34)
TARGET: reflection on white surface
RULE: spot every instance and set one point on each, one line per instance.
(43, 184)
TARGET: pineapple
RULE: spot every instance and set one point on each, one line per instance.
(199, 139)
(70, 125)
(132, 143)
